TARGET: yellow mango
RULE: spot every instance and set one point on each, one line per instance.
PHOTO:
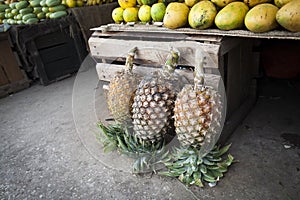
(288, 16)
(176, 15)
(252, 3)
(261, 18)
(222, 3)
(231, 16)
(280, 3)
(202, 15)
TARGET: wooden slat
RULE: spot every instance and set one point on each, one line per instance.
(234, 84)
(236, 118)
(106, 72)
(13, 87)
(173, 36)
(155, 51)
(3, 78)
(276, 34)
(9, 62)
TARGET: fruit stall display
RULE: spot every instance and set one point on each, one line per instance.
(257, 16)
(149, 107)
(34, 11)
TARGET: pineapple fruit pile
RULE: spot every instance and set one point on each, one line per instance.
(254, 15)
(153, 110)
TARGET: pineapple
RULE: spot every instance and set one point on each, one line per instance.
(197, 112)
(121, 91)
(154, 102)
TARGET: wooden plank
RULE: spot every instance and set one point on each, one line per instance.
(50, 40)
(9, 63)
(106, 72)
(238, 115)
(233, 82)
(276, 34)
(3, 78)
(155, 51)
(228, 44)
(240, 72)
(173, 36)
(13, 87)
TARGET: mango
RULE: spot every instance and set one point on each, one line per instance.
(288, 16)
(148, 2)
(158, 11)
(231, 16)
(176, 15)
(252, 3)
(280, 3)
(261, 18)
(127, 3)
(191, 3)
(71, 3)
(144, 13)
(117, 15)
(131, 14)
(202, 15)
(222, 3)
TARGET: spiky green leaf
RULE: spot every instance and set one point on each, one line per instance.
(222, 151)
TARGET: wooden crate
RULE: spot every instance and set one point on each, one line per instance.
(50, 50)
(12, 78)
(231, 59)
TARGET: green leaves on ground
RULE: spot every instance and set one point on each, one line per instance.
(183, 163)
(191, 169)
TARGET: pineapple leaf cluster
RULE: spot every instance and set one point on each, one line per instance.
(184, 163)
(146, 156)
(192, 169)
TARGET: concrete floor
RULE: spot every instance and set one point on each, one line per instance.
(45, 154)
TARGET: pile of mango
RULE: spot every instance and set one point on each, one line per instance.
(255, 15)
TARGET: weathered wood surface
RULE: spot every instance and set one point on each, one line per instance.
(10, 88)
(107, 71)
(276, 34)
(163, 35)
(155, 52)
(235, 119)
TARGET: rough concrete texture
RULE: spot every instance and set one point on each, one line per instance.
(42, 156)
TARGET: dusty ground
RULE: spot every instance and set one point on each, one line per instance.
(42, 156)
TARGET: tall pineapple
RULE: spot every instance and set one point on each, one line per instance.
(197, 112)
(154, 102)
(121, 91)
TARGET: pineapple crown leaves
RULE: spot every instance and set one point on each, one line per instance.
(146, 156)
(171, 62)
(192, 169)
(129, 60)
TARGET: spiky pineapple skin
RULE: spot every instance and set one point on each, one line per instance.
(120, 95)
(153, 108)
(197, 114)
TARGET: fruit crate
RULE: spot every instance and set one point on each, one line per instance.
(12, 78)
(232, 59)
(49, 50)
